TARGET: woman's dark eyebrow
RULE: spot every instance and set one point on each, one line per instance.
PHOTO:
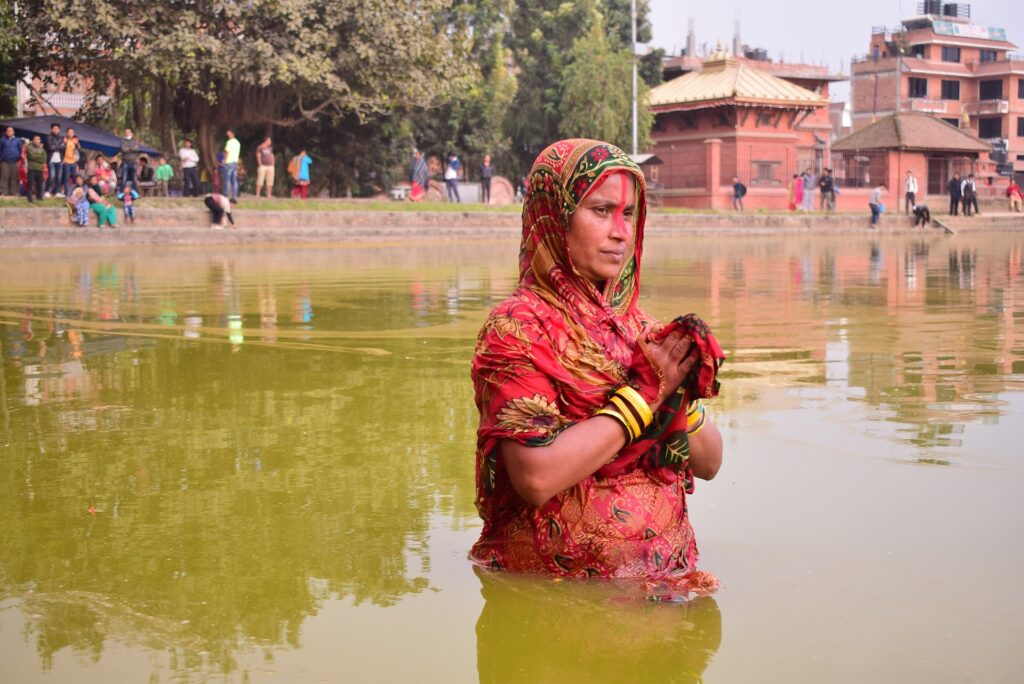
(608, 203)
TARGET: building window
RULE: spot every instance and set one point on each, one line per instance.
(951, 90)
(1020, 126)
(918, 87)
(919, 51)
(955, 123)
(765, 172)
(991, 127)
(986, 56)
(990, 90)
(950, 54)
(1020, 88)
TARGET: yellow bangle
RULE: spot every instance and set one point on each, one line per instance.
(695, 423)
(638, 403)
(620, 403)
(694, 406)
(612, 413)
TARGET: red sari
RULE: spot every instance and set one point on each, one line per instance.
(548, 357)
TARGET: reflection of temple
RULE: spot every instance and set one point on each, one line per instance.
(926, 328)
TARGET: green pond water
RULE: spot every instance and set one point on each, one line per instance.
(256, 465)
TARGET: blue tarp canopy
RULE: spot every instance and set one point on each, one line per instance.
(92, 138)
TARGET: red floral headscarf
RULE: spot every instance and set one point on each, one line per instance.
(561, 178)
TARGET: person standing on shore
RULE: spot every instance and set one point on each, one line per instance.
(808, 182)
(10, 156)
(55, 144)
(486, 174)
(189, 159)
(164, 173)
(973, 187)
(265, 167)
(827, 186)
(954, 190)
(451, 177)
(910, 186)
(419, 177)
(232, 152)
(129, 158)
(967, 194)
(69, 165)
(739, 191)
(876, 204)
(128, 197)
(35, 161)
(298, 168)
(1014, 194)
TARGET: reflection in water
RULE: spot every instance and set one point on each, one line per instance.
(535, 629)
(198, 451)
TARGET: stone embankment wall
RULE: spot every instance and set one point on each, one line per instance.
(50, 227)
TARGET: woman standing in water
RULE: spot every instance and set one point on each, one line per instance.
(591, 422)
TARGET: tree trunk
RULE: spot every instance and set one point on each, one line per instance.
(207, 148)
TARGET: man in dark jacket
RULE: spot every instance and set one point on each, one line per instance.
(953, 188)
(828, 195)
(129, 158)
(35, 161)
(10, 155)
(739, 191)
(55, 144)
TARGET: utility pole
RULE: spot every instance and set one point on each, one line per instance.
(635, 139)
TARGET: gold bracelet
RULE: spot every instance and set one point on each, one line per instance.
(695, 423)
(637, 402)
(612, 413)
(694, 406)
(624, 410)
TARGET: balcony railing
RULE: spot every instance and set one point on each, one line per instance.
(982, 107)
(930, 105)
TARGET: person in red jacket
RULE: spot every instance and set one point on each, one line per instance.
(1014, 194)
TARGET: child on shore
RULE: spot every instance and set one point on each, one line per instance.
(164, 174)
(128, 197)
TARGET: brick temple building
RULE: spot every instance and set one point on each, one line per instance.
(942, 64)
(884, 151)
(735, 117)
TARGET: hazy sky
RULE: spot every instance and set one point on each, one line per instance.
(816, 30)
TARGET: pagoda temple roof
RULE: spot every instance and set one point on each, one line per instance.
(724, 80)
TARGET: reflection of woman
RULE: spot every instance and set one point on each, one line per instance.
(542, 631)
(584, 451)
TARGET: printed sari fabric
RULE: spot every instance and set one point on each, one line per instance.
(548, 357)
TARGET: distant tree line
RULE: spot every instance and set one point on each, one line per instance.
(359, 83)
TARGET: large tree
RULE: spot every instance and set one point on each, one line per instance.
(556, 47)
(597, 96)
(212, 64)
(11, 47)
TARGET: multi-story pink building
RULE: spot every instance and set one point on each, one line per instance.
(943, 64)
